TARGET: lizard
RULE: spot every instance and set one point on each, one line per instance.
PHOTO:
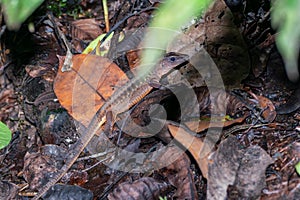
(135, 89)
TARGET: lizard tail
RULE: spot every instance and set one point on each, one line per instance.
(97, 121)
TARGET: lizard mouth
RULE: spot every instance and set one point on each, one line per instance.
(176, 68)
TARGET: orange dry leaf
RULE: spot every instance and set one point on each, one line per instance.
(84, 89)
(133, 58)
(204, 125)
(86, 29)
(270, 113)
(193, 144)
(266, 104)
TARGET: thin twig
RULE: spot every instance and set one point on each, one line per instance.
(67, 66)
(105, 9)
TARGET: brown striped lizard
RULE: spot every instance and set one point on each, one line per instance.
(134, 91)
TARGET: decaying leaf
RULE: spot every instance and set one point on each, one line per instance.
(133, 58)
(254, 162)
(181, 176)
(86, 29)
(8, 190)
(193, 144)
(226, 45)
(40, 71)
(231, 164)
(269, 112)
(7, 100)
(83, 30)
(199, 126)
(143, 188)
(40, 166)
(83, 90)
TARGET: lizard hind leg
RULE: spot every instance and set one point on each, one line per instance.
(155, 84)
(109, 122)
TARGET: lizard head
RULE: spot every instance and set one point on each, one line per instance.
(170, 61)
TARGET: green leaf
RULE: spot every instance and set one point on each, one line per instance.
(298, 168)
(93, 45)
(170, 17)
(17, 11)
(5, 135)
(285, 16)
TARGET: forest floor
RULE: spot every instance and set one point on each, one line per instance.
(257, 147)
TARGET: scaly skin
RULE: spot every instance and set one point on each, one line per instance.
(135, 89)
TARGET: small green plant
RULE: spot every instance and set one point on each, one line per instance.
(166, 25)
(297, 167)
(58, 7)
(285, 17)
(5, 135)
(17, 11)
(163, 198)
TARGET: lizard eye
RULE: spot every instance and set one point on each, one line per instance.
(172, 59)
